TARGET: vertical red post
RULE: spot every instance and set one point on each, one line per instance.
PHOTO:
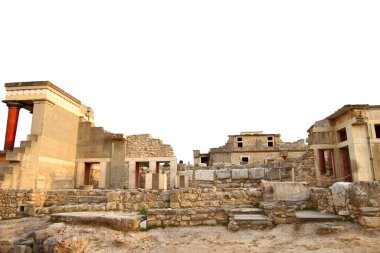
(137, 179)
(157, 167)
(321, 156)
(10, 135)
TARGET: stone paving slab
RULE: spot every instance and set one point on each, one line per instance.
(247, 210)
(316, 216)
(116, 220)
(251, 217)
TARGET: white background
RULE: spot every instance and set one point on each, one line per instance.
(192, 72)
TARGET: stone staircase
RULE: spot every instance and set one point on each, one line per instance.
(248, 218)
(10, 166)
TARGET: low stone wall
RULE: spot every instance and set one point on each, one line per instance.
(321, 199)
(74, 196)
(182, 198)
(187, 217)
(16, 203)
(201, 177)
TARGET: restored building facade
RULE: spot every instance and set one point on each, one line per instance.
(346, 144)
(65, 150)
(251, 148)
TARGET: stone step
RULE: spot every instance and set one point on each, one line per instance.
(32, 137)
(252, 210)
(24, 144)
(315, 216)
(116, 220)
(370, 211)
(249, 221)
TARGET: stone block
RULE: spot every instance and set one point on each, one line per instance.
(369, 222)
(223, 174)
(60, 244)
(204, 175)
(325, 229)
(256, 173)
(240, 174)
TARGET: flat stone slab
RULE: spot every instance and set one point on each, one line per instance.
(316, 216)
(251, 217)
(116, 220)
(247, 211)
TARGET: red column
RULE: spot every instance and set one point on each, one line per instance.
(329, 159)
(321, 156)
(10, 136)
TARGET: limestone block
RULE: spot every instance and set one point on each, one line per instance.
(240, 174)
(370, 222)
(204, 175)
(256, 173)
(223, 174)
(62, 244)
(339, 195)
(326, 229)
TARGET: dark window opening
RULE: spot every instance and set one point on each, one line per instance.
(342, 135)
(22, 209)
(377, 131)
(270, 138)
(270, 144)
(239, 139)
(244, 159)
(204, 160)
(240, 144)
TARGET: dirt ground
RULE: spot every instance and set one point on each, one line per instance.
(282, 238)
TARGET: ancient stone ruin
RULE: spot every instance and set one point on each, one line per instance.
(74, 172)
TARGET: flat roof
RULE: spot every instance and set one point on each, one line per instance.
(41, 83)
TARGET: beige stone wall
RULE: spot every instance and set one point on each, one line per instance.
(145, 146)
(93, 142)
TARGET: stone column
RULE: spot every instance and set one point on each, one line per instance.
(13, 113)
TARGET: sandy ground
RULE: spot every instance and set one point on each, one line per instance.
(282, 238)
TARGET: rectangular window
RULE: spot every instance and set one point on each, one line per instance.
(270, 141)
(342, 135)
(245, 159)
(239, 139)
(377, 131)
(240, 144)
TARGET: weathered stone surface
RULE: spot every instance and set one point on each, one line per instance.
(370, 211)
(256, 173)
(20, 249)
(339, 192)
(365, 194)
(40, 236)
(63, 244)
(6, 245)
(223, 174)
(285, 191)
(204, 175)
(325, 229)
(116, 220)
(240, 174)
(370, 222)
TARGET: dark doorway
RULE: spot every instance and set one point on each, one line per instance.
(87, 173)
(346, 164)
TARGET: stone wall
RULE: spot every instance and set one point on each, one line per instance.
(18, 203)
(187, 217)
(143, 145)
(200, 177)
(182, 198)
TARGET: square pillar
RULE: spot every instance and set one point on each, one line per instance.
(132, 175)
